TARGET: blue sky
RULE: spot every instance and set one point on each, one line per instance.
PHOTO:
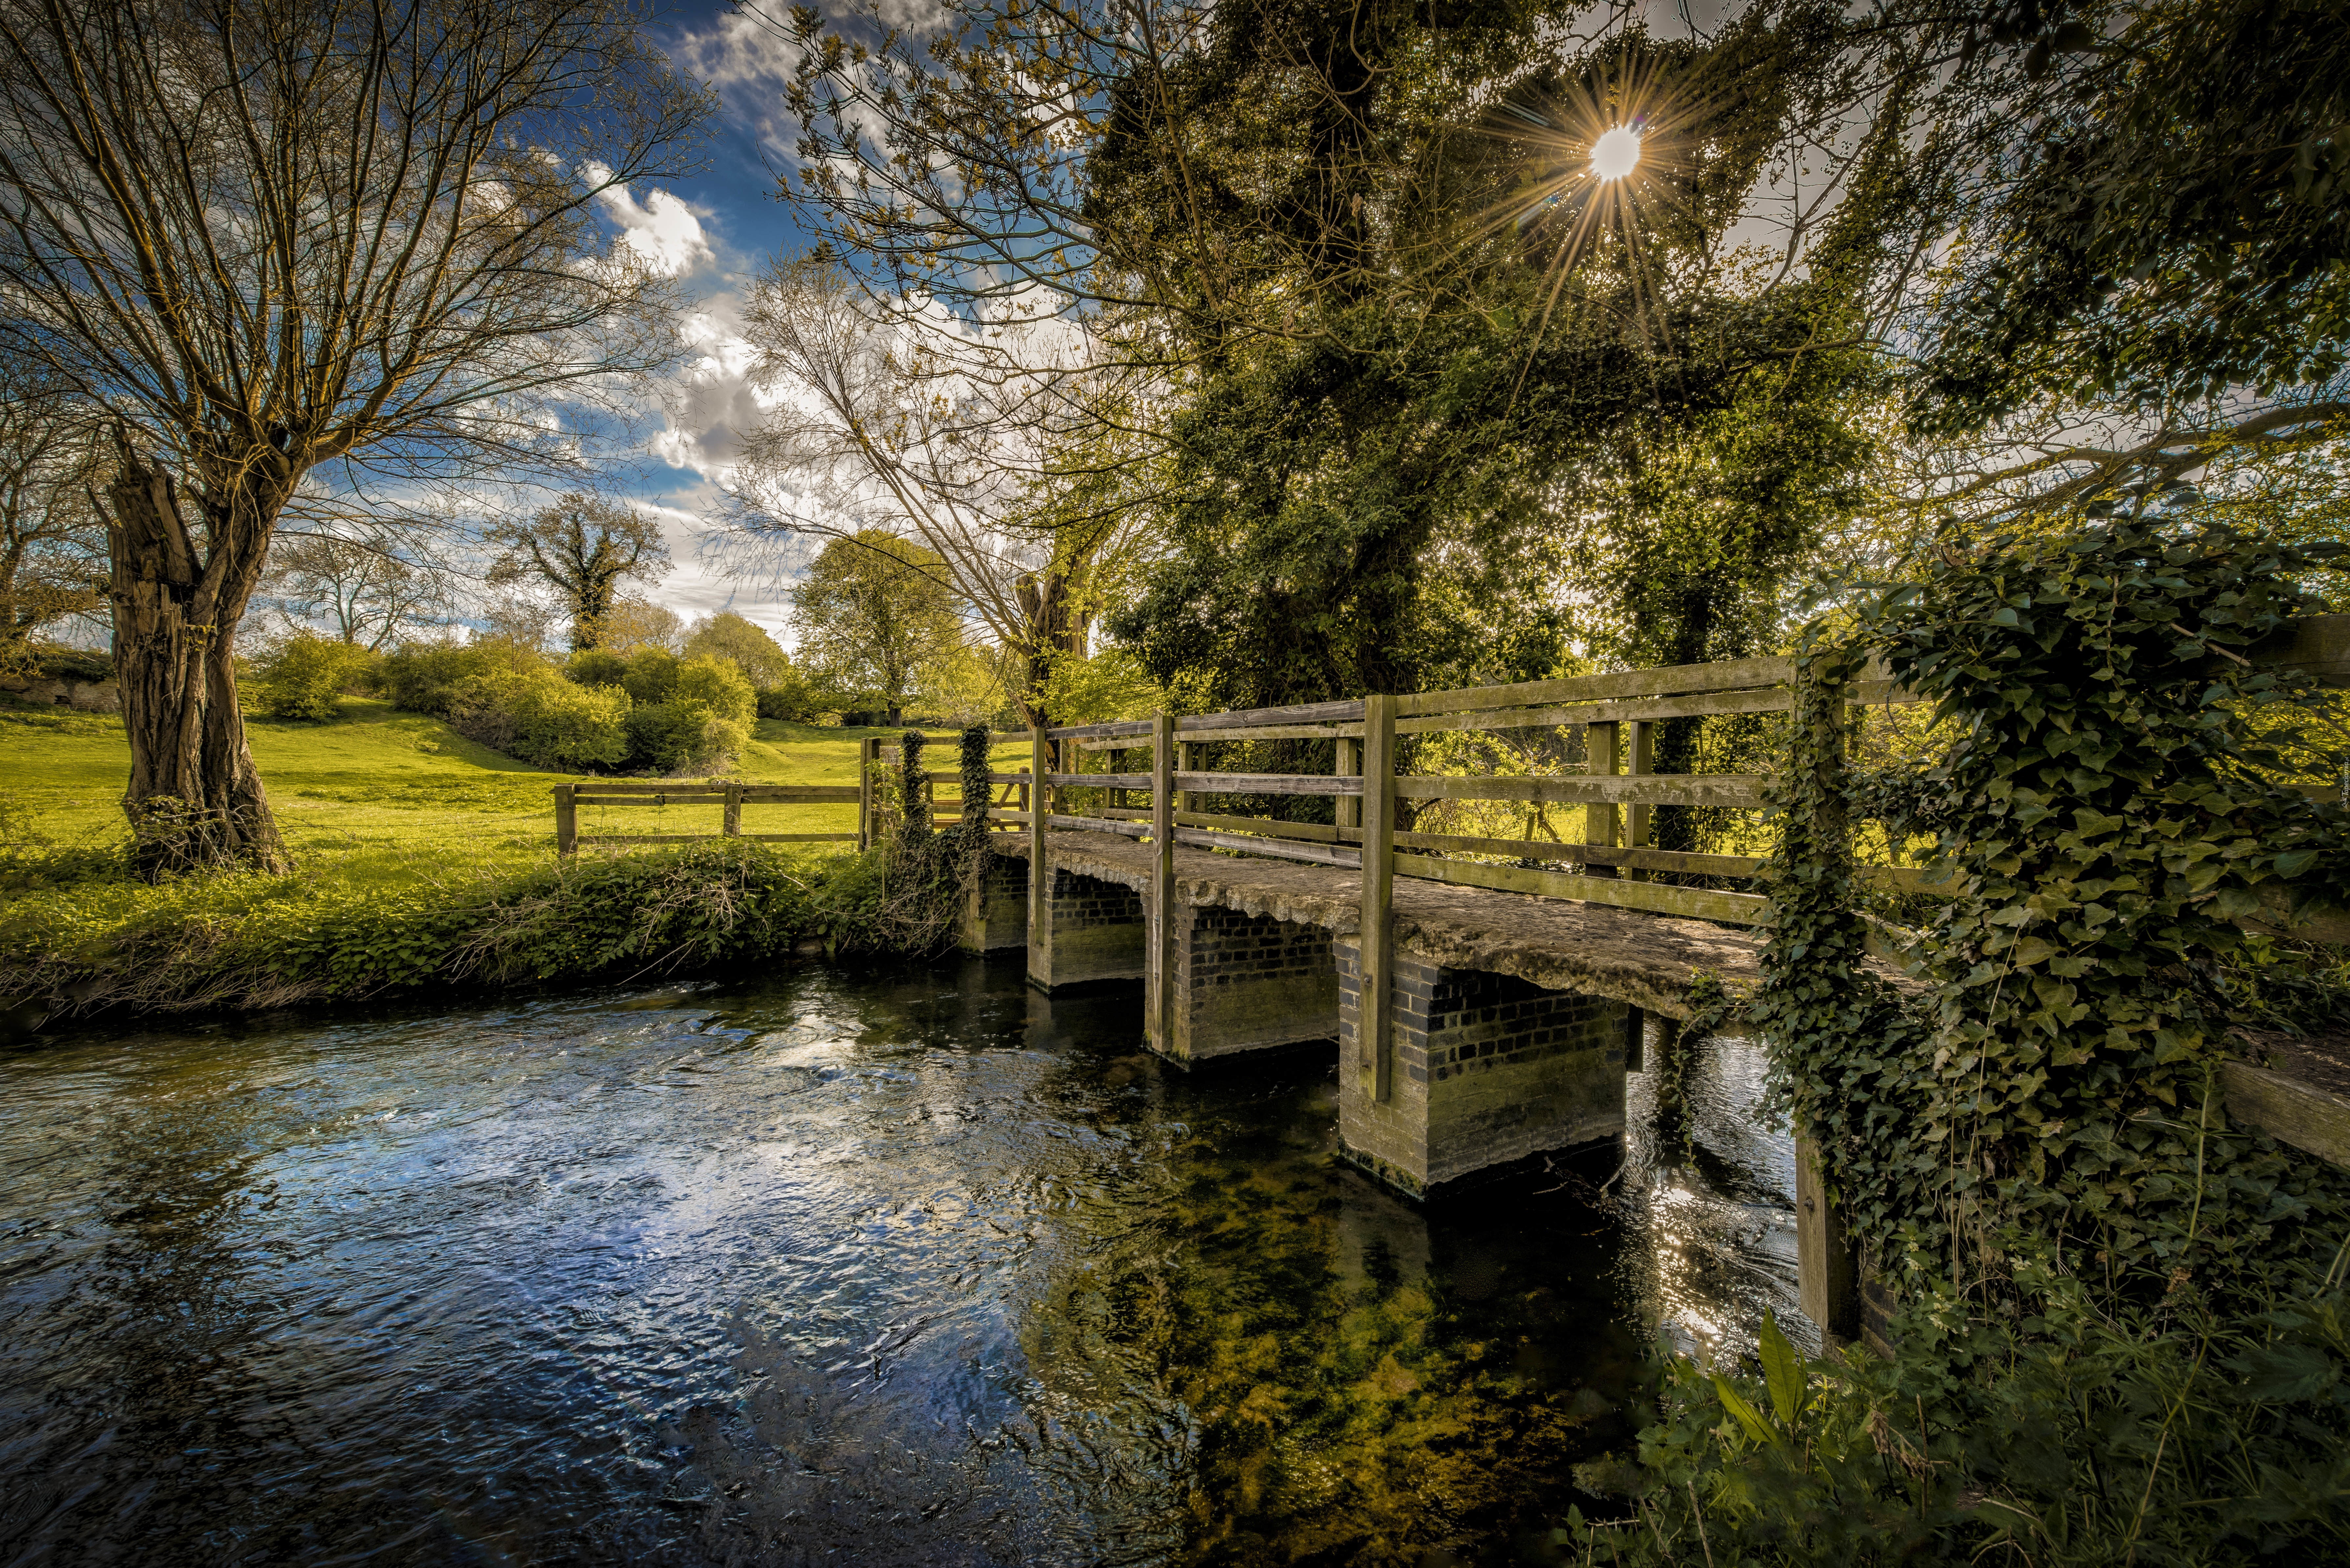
(712, 233)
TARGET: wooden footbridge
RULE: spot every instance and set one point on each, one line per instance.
(1489, 990)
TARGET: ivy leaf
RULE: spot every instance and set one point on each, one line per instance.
(2032, 951)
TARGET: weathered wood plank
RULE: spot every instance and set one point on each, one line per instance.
(1116, 727)
(1742, 792)
(1296, 713)
(2313, 1120)
(1655, 897)
(1669, 681)
(1375, 967)
(2317, 646)
(708, 837)
(1275, 733)
(1101, 824)
(1273, 848)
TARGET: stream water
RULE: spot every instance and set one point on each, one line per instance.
(895, 1266)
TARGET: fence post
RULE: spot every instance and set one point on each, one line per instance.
(1601, 744)
(1187, 760)
(1040, 803)
(1373, 999)
(1636, 819)
(1163, 881)
(867, 754)
(733, 827)
(1350, 765)
(1828, 1281)
(566, 820)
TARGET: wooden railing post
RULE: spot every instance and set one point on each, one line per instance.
(1601, 743)
(1350, 765)
(1637, 817)
(1187, 760)
(1040, 803)
(566, 820)
(1827, 1277)
(1373, 1001)
(1163, 881)
(867, 754)
(733, 827)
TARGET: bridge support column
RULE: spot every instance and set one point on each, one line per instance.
(1242, 982)
(995, 916)
(1089, 929)
(1488, 1069)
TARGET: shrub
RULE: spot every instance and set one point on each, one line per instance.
(680, 737)
(717, 685)
(531, 712)
(423, 677)
(792, 698)
(596, 667)
(305, 677)
(652, 672)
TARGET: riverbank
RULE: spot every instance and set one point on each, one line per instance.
(421, 859)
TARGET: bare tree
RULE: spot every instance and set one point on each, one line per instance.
(269, 237)
(583, 549)
(361, 590)
(1023, 491)
(52, 536)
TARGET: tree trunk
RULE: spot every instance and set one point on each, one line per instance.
(1055, 630)
(195, 799)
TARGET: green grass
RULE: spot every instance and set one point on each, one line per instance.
(387, 798)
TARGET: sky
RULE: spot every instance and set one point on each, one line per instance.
(712, 233)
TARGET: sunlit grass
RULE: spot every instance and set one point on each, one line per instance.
(382, 797)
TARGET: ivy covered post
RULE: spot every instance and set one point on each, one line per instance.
(914, 798)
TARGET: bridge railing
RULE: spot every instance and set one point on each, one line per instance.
(1617, 789)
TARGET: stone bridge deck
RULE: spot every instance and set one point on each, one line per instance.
(1646, 960)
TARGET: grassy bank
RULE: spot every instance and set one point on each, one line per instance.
(422, 857)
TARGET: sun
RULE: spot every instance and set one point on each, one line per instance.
(1616, 153)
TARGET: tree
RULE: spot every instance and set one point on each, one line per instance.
(760, 657)
(872, 612)
(1007, 456)
(52, 536)
(640, 623)
(362, 590)
(583, 549)
(275, 240)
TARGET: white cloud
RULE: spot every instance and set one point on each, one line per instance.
(664, 232)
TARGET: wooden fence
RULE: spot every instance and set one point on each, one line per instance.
(730, 798)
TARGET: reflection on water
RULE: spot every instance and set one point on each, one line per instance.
(909, 1267)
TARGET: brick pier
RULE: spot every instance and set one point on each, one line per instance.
(1093, 930)
(1488, 1069)
(1246, 982)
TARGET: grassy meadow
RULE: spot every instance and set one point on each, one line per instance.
(388, 798)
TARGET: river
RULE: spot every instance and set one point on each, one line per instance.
(906, 1265)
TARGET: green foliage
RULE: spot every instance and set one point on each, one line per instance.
(727, 636)
(871, 612)
(795, 697)
(2125, 1335)
(2177, 218)
(246, 941)
(305, 676)
(527, 711)
(424, 677)
(2070, 1436)
(596, 667)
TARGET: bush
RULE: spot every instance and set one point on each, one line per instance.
(682, 737)
(651, 673)
(306, 676)
(424, 677)
(717, 685)
(596, 667)
(533, 713)
(793, 697)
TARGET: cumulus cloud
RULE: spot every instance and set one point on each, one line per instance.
(663, 231)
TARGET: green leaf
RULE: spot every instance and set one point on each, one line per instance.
(1747, 1416)
(2032, 949)
(1783, 1370)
